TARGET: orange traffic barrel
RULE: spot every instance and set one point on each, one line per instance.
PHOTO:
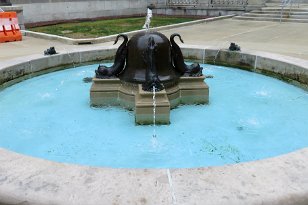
(9, 28)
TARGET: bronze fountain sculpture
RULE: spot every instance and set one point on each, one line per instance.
(149, 62)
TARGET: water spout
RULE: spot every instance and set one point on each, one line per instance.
(154, 111)
(256, 61)
(148, 20)
(214, 61)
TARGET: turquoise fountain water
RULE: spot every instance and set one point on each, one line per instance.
(249, 117)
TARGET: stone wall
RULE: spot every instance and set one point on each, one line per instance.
(58, 10)
(294, 1)
(205, 7)
(38, 12)
(49, 11)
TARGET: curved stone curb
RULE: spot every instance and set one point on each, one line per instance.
(277, 181)
(18, 69)
(112, 37)
(290, 69)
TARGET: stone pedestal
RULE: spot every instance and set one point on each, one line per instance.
(144, 107)
(127, 93)
(104, 92)
(114, 92)
(193, 90)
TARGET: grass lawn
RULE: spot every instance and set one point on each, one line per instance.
(106, 27)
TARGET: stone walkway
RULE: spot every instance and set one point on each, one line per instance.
(282, 38)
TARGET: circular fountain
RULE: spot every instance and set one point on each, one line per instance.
(21, 181)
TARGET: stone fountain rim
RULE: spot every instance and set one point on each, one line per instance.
(277, 180)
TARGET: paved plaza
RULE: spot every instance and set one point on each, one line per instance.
(282, 38)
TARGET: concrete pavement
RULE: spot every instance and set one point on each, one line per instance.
(282, 38)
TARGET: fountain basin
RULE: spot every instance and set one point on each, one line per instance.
(44, 116)
(40, 181)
